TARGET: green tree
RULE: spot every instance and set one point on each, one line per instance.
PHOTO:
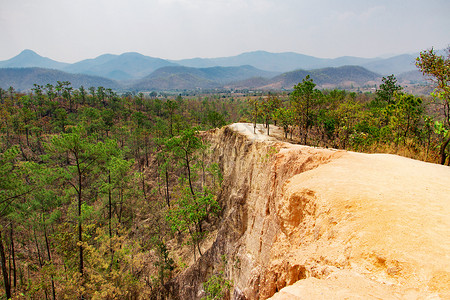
(165, 264)
(171, 106)
(195, 201)
(387, 89)
(405, 114)
(437, 68)
(117, 175)
(346, 116)
(77, 157)
(101, 95)
(285, 118)
(67, 93)
(2, 95)
(13, 187)
(268, 107)
(304, 101)
(10, 190)
(50, 91)
(253, 103)
(215, 119)
(83, 95)
(41, 211)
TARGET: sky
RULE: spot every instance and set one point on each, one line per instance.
(73, 30)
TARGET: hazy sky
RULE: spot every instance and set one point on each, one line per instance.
(72, 30)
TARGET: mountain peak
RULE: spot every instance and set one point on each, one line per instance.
(27, 55)
(28, 52)
(29, 58)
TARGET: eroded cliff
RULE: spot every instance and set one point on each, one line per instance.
(305, 223)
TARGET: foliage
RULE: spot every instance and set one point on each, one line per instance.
(285, 118)
(304, 101)
(216, 287)
(195, 200)
(437, 67)
(385, 93)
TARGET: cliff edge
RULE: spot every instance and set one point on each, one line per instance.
(308, 223)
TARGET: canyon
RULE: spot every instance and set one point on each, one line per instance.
(302, 222)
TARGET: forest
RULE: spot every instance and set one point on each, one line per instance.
(99, 190)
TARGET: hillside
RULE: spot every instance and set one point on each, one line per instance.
(309, 223)
(412, 77)
(393, 65)
(22, 79)
(193, 78)
(341, 77)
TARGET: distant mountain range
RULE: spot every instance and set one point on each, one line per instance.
(22, 79)
(252, 69)
(289, 61)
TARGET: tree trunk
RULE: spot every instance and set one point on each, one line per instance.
(189, 173)
(119, 214)
(442, 150)
(13, 259)
(37, 248)
(167, 189)
(143, 185)
(4, 270)
(305, 135)
(50, 261)
(171, 126)
(26, 134)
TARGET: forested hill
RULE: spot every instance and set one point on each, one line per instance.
(345, 76)
(192, 78)
(22, 79)
(334, 76)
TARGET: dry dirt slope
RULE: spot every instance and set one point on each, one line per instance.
(308, 223)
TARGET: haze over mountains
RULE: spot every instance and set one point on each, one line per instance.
(257, 69)
(23, 79)
(289, 61)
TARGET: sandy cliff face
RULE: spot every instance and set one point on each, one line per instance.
(308, 223)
